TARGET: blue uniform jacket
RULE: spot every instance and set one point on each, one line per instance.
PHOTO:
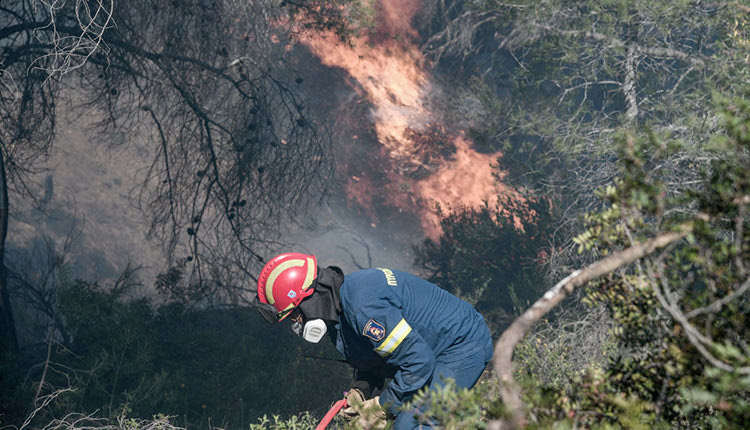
(395, 324)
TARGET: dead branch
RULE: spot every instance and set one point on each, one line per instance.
(71, 51)
(700, 341)
(43, 402)
(628, 86)
(502, 362)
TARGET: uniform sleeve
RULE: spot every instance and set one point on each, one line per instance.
(368, 381)
(391, 336)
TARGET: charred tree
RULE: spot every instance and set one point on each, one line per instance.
(8, 339)
(207, 90)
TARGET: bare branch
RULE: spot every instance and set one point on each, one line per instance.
(628, 86)
(696, 338)
(718, 304)
(43, 403)
(521, 326)
(71, 51)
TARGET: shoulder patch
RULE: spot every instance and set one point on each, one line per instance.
(374, 330)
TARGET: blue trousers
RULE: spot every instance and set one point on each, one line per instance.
(464, 368)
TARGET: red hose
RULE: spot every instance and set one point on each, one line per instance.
(339, 405)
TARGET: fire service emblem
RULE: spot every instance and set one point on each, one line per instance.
(374, 330)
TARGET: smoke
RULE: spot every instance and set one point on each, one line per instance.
(397, 158)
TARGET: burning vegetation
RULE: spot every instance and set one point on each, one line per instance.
(415, 164)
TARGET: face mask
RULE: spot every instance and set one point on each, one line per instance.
(312, 331)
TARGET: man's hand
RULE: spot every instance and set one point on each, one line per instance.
(353, 396)
(372, 415)
(366, 414)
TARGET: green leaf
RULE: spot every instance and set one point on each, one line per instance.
(699, 395)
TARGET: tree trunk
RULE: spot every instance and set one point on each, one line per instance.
(8, 339)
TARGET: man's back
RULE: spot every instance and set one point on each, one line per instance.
(441, 318)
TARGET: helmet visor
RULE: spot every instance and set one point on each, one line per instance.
(268, 312)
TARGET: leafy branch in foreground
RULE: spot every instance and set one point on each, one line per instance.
(675, 281)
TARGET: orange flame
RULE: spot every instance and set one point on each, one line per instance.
(391, 74)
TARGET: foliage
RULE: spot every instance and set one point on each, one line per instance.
(128, 356)
(550, 83)
(675, 352)
(673, 355)
(76, 421)
(304, 421)
(564, 346)
(206, 90)
(680, 315)
(570, 88)
(346, 19)
(489, 256)
(566, 64)
(453, 409)
(456, 409)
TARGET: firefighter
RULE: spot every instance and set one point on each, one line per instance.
(388, 325)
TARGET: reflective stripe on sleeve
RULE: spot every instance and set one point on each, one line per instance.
(398, 334)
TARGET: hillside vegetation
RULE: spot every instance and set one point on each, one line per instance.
(622, 302)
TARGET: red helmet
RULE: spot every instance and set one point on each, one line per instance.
(284, 282)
